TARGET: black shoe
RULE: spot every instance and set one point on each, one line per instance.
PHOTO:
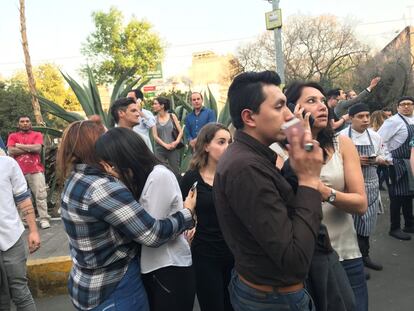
(398, 234)
(409, 229)
(370, 264)
(367, 275)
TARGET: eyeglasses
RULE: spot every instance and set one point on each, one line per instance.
(405, 105)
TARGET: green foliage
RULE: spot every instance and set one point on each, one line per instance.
(49, 84)
(14, 102)
(89, 98)
(114, 48)
(181, 107)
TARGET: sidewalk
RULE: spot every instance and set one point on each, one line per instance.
(49, 267)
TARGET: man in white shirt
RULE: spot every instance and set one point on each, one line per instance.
(146, 118)
(397, 132)
(13, 247)
(372, 153)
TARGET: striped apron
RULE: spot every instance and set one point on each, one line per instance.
(366, 223)
(398, 169)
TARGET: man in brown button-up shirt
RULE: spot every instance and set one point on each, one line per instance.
(270, 229)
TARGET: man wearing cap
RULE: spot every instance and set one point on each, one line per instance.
(397, 132)
(372, 153)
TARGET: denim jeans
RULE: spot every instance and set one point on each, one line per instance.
(246, 298)
(354, 269)
(130, 293)
(13, 278)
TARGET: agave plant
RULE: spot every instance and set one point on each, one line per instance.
(181, 107)
(89, 98)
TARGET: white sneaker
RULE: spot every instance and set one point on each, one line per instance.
(44, 224)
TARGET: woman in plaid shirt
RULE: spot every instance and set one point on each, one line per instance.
(106, 227)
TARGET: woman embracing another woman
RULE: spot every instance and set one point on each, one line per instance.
(104, 221)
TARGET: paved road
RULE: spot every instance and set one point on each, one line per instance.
(389, 290)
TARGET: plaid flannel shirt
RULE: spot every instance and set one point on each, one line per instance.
(106, 226)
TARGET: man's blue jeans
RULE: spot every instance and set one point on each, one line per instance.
(246, 298)
(130, 293)
(354, 269)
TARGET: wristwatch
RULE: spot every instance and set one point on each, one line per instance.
(332, 197)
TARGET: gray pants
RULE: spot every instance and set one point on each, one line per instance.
(13, 279)
(171, 158)
(37, 184)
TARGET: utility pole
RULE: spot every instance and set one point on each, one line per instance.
(28, 64)
(280, 64)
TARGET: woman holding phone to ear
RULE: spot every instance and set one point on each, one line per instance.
(341, 186)
(212, 259)
(166, 270)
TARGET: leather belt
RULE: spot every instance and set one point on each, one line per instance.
(272, 289)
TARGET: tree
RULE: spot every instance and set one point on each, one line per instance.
(395, 66)
(317, 48)
(28, 64)
(50, 84)
(114, 48)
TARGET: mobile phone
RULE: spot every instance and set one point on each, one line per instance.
(372, 157)
(288, 126)
(292, 106)
(194, 186)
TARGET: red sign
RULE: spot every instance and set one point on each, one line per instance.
(149, 88)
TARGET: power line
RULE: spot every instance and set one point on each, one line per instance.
(382, 22)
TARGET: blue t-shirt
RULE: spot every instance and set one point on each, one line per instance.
(194, 123)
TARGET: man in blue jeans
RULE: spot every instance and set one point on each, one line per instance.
(270, 230)
(13, 246)
(199, 117)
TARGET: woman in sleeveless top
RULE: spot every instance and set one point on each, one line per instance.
(341, 186)
(165, 144)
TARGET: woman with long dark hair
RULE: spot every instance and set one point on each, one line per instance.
(165, 142)
(166, 270)
(106, 225)
(341, 186)
(212, 259)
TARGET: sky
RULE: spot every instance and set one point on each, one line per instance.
(58, 28)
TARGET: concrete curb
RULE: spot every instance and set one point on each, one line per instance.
(48, 277)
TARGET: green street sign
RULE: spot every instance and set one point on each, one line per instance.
(155, 74)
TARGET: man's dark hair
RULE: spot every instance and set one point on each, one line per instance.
(165, 102)
(333, 93)
(24, 116)
(138, 94)
(120, 104)
(387, 109)
(246, 92)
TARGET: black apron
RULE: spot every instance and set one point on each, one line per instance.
(399, 170)
(366, 223)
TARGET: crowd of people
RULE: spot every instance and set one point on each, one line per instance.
(270, 217)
